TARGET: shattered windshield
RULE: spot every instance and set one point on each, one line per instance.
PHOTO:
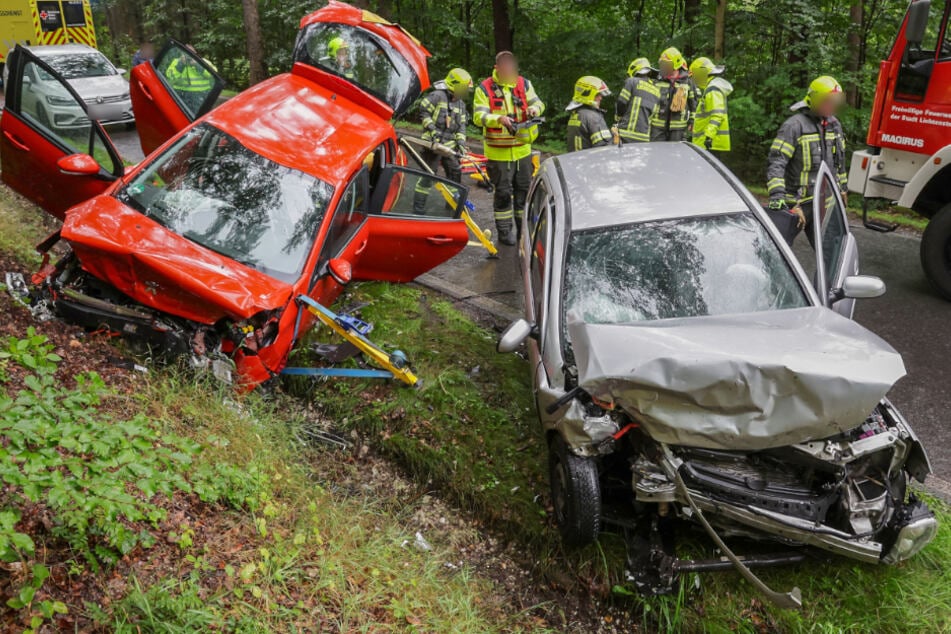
(214, 191)
(691, 267)
(78, 66)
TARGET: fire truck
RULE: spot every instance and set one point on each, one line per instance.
(908, 160)
(34, 22)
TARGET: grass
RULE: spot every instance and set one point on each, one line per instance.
(473, 435)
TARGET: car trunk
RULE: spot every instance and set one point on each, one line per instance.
(164, 270)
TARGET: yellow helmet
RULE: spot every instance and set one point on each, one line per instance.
(459, 82)
(587, 90)
(821, 89)
(336, 45)
(702, 68)
(640, 66)
(674, 56)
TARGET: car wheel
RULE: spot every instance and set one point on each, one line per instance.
(575, 494)
(936, 251)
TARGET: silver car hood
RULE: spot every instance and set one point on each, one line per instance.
(738, 382)
(105, 86)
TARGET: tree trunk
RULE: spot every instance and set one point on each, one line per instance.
(252, 26)
(691, 15)
(854, 63)
(719, 31)
(639, 19)
(501, 25)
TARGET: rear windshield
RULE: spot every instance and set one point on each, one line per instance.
(716, 265)
(214, 191)
(362, 58)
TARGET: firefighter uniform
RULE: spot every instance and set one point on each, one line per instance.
(711, 126)
(444, 117)
(636, 102)
(803, 143)
(677, 100)
(508, 152)
(586, 126)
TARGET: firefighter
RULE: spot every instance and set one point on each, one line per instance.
(677, 101)
(444, 123)
(586, 126)
(190, 80)
(339, 53)
(504, 106)
(809, 137)
(636, 102)
(711, 125)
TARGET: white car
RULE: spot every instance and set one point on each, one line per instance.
(97, 81)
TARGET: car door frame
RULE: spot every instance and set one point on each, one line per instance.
(828, 286)
(159, 111)
(43, 143)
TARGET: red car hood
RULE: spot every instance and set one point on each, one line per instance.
(164, 270)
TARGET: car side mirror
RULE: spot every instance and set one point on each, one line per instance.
(860, 287)
(120, 71)
(515, 335)
(340, 270)
(78, 165)
(917, 23)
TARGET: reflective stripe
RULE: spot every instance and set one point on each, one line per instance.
(601, 135)
(775, 183)
(781, 146)
(508, 214)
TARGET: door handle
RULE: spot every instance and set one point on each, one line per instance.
(145, 91)
(17, 143)
(361, 248)
(439, 239)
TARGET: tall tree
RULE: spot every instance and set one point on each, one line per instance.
(854, 60)
(719, 31)
(501, 25)
(255, 42)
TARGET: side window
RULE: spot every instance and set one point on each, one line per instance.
(191, 79)
(349, 215)
(406, 192)
(538, 224)
(833, 230)
(47, 103)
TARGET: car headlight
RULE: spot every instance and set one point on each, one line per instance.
(55, 100)
(911, 539)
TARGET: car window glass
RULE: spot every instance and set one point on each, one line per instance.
(833, 229)
(349, 215)
(189, 77)
(47, 104)
(407, 192)
(362, 58)
(74, 13)
(217, 193)
(679, 268)
(540, 242)
(51, 19)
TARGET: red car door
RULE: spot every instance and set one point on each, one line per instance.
(52, 148)
(413, 226)
(170, 92)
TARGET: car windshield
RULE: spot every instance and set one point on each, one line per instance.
(714, 265)
(78, 66)
(214, 191)
(362, 58)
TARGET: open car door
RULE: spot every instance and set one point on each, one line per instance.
(837, 255)
(413, 225)
(363, 57)
(53, 150)
(170, 92)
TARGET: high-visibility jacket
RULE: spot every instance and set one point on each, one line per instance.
(676, 105)
(634, 107)
(189, 77)
(803, 142)
(587, 128)
(444, 117)
(712, 120)
(493, 100)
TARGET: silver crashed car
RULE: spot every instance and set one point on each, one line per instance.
(687, 366)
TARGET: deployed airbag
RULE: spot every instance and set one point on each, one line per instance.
(738, 382)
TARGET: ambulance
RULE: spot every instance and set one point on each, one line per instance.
(36, 22)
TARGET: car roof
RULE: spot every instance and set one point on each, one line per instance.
(61, 49)
(301, 125)
(637, 182)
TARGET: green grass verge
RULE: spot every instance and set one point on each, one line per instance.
(471, 431)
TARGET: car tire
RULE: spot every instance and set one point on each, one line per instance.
(936, 251)
(575, 494)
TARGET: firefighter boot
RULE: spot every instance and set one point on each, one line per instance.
(506, 233)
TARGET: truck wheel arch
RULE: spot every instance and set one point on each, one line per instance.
(930, 189)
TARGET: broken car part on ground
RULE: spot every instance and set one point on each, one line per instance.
(686, 366)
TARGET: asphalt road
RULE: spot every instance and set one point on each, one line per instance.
(910, 316)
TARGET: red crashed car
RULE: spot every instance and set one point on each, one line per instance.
(294, 187)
